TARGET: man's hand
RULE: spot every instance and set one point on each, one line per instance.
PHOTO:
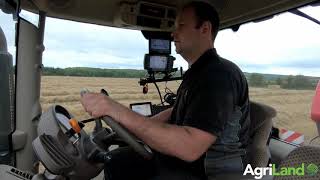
(186, 143)
(98, 105)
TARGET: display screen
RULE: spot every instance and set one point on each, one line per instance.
(158, 62)
(160, 46)
(142, 108)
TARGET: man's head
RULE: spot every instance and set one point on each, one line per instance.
(196, 26)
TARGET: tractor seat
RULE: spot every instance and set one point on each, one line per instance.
(310, 156)
(261, 124)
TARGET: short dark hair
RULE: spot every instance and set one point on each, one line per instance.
(205, 12)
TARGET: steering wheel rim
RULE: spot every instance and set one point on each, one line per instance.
(123, 133)
(127, 137)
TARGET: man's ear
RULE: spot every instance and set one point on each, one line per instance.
(206, 27)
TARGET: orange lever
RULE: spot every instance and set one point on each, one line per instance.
(75, 125)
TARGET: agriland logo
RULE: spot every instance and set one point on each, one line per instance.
(302, 170)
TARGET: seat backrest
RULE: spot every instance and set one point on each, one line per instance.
(261, 124)
(310, 156)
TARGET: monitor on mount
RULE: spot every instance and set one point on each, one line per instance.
(158, 63)
(143, 108)
(159, 46)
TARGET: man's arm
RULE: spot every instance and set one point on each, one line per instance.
(162, 116)
(184, 142)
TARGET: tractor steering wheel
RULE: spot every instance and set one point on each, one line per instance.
(123, 133)
(127, 137)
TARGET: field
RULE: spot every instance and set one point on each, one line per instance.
(293, 106)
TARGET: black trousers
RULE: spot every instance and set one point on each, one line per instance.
(126, 164)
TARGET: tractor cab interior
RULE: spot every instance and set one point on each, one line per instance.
(53, 137)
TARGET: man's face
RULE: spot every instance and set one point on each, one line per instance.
(186, 35)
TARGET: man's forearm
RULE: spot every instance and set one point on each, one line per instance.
(163, 116)
(158, 135)
(181, 141)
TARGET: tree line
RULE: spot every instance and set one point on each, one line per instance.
(298, 82)
(93, 72)
(254, 79)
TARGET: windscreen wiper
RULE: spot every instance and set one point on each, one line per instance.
(304, 15)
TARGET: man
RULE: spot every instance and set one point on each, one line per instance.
(206, 131)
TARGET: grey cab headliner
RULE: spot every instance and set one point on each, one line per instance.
(102, 12)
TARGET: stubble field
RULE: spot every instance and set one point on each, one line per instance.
(293, 106)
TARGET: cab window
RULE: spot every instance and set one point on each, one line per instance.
(280, 57)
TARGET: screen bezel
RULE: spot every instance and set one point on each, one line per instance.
(159, 51)
(142, 103)
(147, 60)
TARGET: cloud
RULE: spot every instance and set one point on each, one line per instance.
(95, 46)
(73, 58)
(285, 44)
(92, 45)
(94, 38)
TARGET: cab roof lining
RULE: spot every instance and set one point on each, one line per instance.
(232, 12)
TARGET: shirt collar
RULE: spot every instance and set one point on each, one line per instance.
(207, 56)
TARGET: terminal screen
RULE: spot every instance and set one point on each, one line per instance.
(142, 108)
(158, 62)
(160, 46)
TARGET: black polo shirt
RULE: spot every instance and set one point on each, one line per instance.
(213, 97)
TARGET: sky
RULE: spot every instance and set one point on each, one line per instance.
(286, 44)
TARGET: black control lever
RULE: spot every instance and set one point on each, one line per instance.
(103, 91)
